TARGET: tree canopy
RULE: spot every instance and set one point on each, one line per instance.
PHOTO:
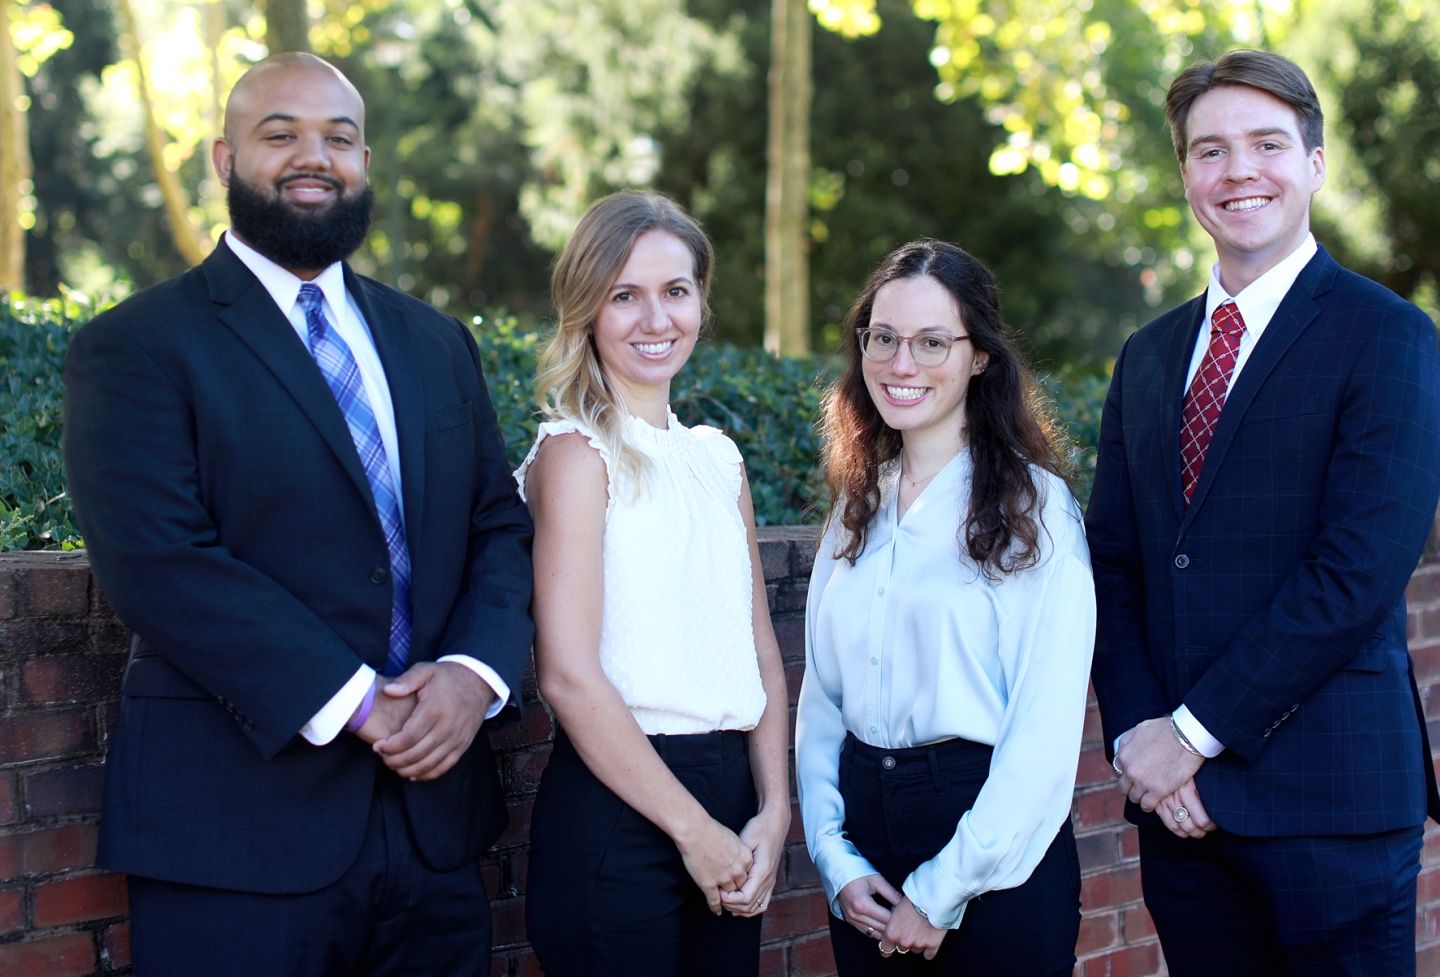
(1028, 131)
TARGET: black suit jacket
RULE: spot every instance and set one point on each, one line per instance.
(1273, 606)
(229, 521)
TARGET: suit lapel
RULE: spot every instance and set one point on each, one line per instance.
(395, 342)
(1172, 390)
(1297, 310)
(251, 314)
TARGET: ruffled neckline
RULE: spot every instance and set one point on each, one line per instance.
(645, 436)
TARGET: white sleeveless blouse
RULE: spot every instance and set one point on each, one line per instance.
(675, 637)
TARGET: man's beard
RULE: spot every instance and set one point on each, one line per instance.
(294, 238)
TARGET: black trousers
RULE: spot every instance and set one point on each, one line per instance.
(901, 807)
(608, 893)
(1270, 907)
(389, 915)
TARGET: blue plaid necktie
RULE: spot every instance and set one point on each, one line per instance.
(338, 365)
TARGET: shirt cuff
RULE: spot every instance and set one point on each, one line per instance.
(326, 724)
(487, 675)
(1198, 735)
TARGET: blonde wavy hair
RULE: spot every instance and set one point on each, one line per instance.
(570, 383)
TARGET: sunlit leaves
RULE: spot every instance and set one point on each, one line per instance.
(848, 18)
(37, 32)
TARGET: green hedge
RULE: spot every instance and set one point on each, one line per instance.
(767, 405)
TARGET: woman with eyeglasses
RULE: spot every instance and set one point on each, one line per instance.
(949, 629)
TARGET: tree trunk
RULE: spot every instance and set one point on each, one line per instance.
(186, 238)
(14, 161)
(787, 256)
(287, 25)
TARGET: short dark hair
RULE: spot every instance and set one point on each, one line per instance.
(1261, 70)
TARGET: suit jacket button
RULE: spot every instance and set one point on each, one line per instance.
(379, 575)
(1182, 561)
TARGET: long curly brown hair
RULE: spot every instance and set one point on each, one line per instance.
(1010, 426)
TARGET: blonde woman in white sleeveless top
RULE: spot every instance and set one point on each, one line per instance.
(662, 815)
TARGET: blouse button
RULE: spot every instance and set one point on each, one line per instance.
(874, 661)
(880, 592)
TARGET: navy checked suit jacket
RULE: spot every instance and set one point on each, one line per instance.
(229, 520)
(1273, 605)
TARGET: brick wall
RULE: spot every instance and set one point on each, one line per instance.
(61, 656)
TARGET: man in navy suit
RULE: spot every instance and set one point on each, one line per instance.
(293, 491)
(1268, 473)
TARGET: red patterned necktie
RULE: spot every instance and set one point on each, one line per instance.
(1207, 393)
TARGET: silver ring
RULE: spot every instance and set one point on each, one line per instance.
(884, 951)
(902, 949)
(1180, 815)
(870, 932)
(1115, 765)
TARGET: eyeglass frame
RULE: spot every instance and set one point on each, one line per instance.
(862, 334)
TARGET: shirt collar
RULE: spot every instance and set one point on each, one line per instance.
(1259, 300)
(282, 284)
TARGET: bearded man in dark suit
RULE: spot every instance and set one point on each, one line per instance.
(293, 491)
(1268, 473)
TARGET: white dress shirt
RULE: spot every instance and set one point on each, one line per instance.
(1257, 304)
(912, 645)
(344, 316)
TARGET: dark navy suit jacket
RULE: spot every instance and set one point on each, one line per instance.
(229, 521)
(1273, 606)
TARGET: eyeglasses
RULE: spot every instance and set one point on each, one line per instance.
(927, 349)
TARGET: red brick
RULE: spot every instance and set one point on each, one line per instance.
(521, 770)
(1428, 888)
(7, 593)
(75, 900)
(71, 678)
(1098, 931)
(1424, 586)
(772, 962)
(115, 948)
(1092, 732)
(1129, 842)
(1098, 850)
(1426, 655)
(1427, 961)
(1110, 889)
(68, 955)
(1140, 961)
(64, 791)
(1099, 807)
(1136, 926)
(534, 727)
(53, 592)
(526, 965)
(790, 635)
(1094, 769)
(40, 735)
(12, 911)
(796, 834)
(499, 966)
(508, 918)
(791, 914)
(800, 871)
(9, 804)
(49, 850)
(517, 832)
(812, 957)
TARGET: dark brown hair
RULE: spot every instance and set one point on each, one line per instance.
(1260, 70)
(1009, 427)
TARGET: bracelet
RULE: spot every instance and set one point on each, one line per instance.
(362, 711)
(1184, 740)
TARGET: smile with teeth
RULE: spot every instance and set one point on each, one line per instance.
(654, 349)
(904, 393)
(1249, 203)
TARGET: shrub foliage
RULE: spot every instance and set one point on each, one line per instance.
(767, 405)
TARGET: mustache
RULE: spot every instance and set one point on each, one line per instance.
(329, 181)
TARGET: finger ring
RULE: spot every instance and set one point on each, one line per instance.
(1115, 765)
(870, 932)
(884, 950)
(902, 949)
(1180, 815)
